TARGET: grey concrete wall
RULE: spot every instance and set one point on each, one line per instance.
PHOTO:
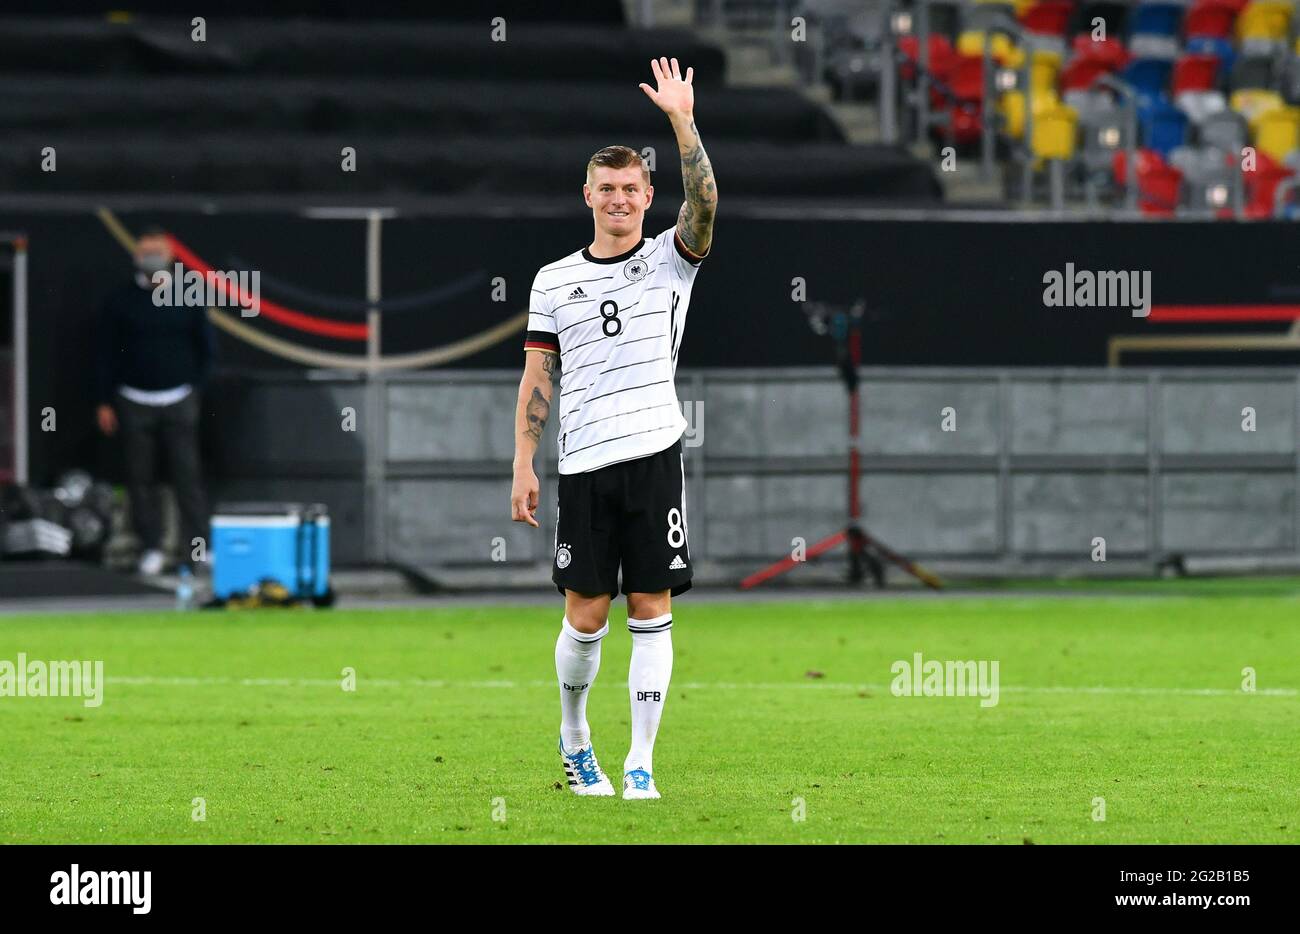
(1041, 462)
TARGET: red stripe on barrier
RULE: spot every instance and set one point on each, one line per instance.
(277, 313)
(1224, 313)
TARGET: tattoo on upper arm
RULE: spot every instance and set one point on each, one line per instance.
(695, 220)
(536, 413)
(548, 363)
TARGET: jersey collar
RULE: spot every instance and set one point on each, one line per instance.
(604, 260)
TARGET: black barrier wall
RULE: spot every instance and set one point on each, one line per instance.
(941, 293)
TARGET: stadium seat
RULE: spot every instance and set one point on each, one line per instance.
(1012, 108)
(965, 124)
(1218, 46)
(1103, 128)
(971, 43)
(1195, 73)
(1080, 73)
(1207, 178)
(1148, 76)
(1044, 70)
(1048, 17)
(1158, 182)
(1254, 103)
(1278, 132)
(1200, 105)
(1253, 72)
(1151, 46)
(966, 80)
(1225, 130)
(942, 56)
(1264, 19)
(1261, 47)
(1054, 132)
(1156, 19)
(1210, 18)
(1163, 127)
(1261, 185)
(1110, 51)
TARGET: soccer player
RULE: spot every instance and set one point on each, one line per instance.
(611, 316)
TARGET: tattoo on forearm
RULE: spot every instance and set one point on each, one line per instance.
(536, 414)
(695, 221)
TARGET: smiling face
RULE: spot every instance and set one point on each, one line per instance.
(618, 198)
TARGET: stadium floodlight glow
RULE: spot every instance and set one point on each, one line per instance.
(1216, 196)
(1109, 137)
(1006, 80)
(902, 23)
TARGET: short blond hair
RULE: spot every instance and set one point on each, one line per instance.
(618, 157)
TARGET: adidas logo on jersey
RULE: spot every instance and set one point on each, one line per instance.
(576, 293)
(677, 564)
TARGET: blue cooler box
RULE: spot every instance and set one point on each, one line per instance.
(286, 542)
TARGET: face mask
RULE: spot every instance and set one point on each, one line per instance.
(150, 263)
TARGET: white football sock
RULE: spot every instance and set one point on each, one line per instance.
(577, 659)
(647, 685)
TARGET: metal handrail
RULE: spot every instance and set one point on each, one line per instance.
(1125, 90)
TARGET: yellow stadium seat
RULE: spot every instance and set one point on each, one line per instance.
(1055, 132)
(1042, 74)
(1012, 108)
(1278, 132)
(1253, 103)
(971, 42)
(1264, 19)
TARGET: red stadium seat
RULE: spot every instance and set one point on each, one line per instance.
(1195, 73)
(1048, 17)
(1211, 18)
(967, 78)
(964, 124)
(942, 56)
(1111, 51)
(1261, 185)
(1079, 74)
(1158, 181)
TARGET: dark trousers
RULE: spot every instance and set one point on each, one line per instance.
(175, 429)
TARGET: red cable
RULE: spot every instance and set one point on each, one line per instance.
(277, 313)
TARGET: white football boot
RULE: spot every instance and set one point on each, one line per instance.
(639, 783)
(584, 773)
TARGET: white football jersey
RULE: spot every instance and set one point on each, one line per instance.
(617, 324)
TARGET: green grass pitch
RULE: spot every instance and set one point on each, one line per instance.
(1134, 699)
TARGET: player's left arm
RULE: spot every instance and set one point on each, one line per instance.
(675, 96)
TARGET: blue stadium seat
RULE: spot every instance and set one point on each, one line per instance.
(1156, 19)
(1149, 77)
(1163, 126)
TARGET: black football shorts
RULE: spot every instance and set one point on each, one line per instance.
(631, 514)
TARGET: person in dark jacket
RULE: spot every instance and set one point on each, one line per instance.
(153, 360)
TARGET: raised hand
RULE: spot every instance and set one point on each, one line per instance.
(674, 94)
